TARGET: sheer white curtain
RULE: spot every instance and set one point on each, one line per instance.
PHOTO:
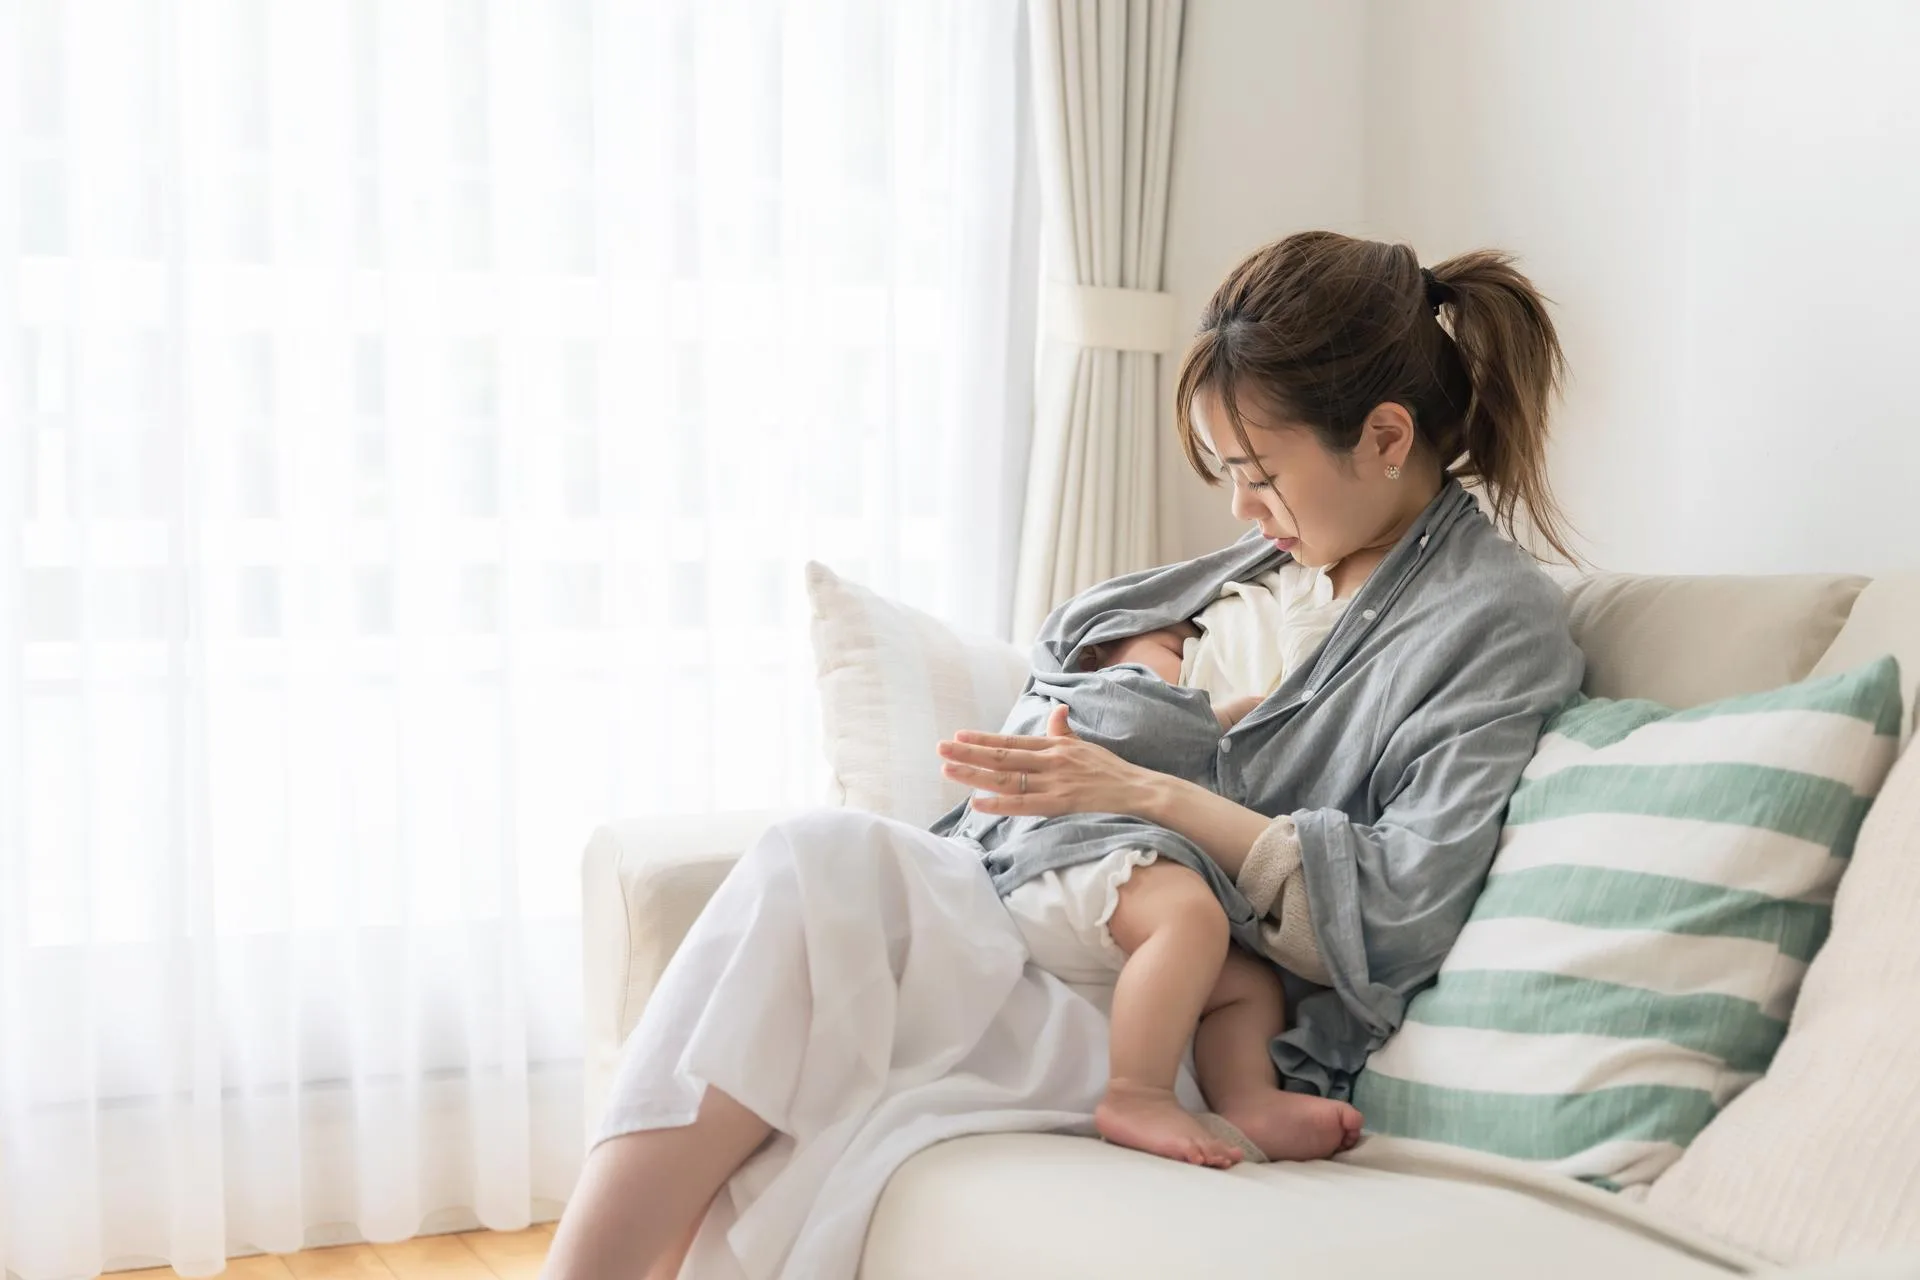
(413, 419)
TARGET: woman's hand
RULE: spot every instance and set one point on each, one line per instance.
(1064, 773)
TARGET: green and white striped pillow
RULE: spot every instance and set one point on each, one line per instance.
(1630, 966)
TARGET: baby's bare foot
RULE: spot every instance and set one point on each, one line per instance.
(1292, 1126)
(1152, 1120)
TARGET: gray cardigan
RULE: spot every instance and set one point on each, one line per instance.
(1394, 751)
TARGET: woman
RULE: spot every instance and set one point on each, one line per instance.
(856, 991)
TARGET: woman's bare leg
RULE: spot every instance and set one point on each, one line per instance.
(641, 1196)
(1234, 1064)
(1175, 936)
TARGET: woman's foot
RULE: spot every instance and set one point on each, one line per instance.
(1292, 1126)
(1152, 1120)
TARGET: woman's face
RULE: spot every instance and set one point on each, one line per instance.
(1328, 506)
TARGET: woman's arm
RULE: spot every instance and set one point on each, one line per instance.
(1225, 831)
(1061, 773)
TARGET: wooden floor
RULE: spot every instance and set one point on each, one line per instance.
(473, 1255)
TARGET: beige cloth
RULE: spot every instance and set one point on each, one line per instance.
(1273, 882)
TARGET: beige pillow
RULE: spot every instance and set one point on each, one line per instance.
(1885, 619)
(894, 682)
(1687, 641)
(1821, 1157)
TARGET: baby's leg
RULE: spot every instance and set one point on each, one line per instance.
(1175, 936)
(1231, 1058)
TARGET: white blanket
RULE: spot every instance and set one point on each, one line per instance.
(857, 983)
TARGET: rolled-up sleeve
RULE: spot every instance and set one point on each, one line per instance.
(1276, 886)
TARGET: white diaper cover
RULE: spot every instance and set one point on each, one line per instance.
(1063, 916)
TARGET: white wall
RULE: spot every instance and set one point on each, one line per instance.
(1722, 197)
(1551, 130)
(1268, 133)
(1802, 430)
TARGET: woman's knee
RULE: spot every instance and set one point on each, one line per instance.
(828, 847)
(824, 826)
(828, 832)
(818, 837)
(1165, 894)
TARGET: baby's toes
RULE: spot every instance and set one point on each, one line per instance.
(1351, 1123)
(1221, 1155)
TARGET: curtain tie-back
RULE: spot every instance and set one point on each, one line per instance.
(1118, 319)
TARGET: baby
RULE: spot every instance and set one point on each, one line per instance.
(1161, 653)
(1243, 1013)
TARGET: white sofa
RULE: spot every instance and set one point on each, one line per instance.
(1049, 1205)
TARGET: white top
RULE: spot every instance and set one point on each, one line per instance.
(1258, 632)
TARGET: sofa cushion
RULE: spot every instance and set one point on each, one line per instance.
(1683, 641)
(1661, 883)
(1014, 1206)
(894, 682)
(1822, 1157)
(1885, 619)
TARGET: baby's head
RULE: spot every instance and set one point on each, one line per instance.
(1159, 651)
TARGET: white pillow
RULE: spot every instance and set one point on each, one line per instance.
(895, 682)
(1821, 1157)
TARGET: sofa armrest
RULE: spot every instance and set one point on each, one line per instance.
(643, 882)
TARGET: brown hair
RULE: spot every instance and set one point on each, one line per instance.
(1323, 328)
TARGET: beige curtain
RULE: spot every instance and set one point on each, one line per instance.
(1104, 73)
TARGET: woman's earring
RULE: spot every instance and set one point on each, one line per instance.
(1393, 472)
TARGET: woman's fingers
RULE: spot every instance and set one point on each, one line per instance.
(995, 762)
(997, 792)
(1017, 741)
(991, 757)
(1002, 780)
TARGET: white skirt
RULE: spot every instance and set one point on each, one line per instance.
(856, 983)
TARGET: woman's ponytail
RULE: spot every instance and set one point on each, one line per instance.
(1515, 368)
